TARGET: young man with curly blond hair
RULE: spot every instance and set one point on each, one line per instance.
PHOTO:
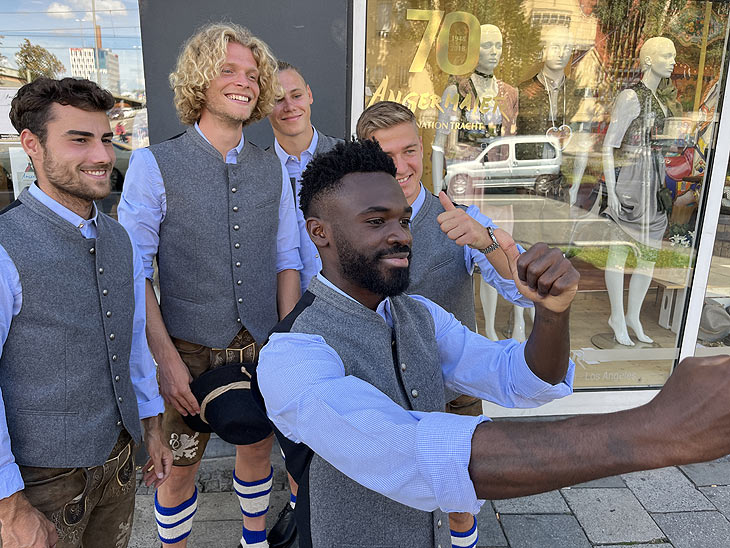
(215, 211)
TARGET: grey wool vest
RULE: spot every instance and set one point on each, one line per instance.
(342, 513)
(325, 143)
(217, 252)
(438, 271)
(64, 370)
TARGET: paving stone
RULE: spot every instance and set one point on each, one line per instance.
(666, 490)
(539, 531)
(490, 531)
(708, 473)
(612, 516)
(720, 497)
(611, 481)
(652, 545)
(215, 534)
(695, 529)
(544, 503)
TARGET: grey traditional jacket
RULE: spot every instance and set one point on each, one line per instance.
(438, 271)
(217, 251)
(334, 511)
(64, 369)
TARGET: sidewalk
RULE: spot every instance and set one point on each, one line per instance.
(679, 507)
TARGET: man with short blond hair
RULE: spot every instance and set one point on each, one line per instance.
(218, 214)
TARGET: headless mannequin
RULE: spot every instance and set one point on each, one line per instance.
(657, 57)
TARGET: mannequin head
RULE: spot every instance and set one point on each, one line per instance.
(557, 48)
(658, 55)
(490, 48)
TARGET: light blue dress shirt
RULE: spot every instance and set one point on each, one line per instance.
(506, 288)
(294, 166)
(141, 366)
(418, 459)
(143, 207)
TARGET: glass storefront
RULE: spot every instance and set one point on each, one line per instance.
(58, 39)
(589, 125)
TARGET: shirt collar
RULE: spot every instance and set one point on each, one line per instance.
(237, 150)
(416, 206)
(61, 210)
(383, 308)
(284, 155)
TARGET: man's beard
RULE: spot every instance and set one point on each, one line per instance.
(67, 179)
(368, 272)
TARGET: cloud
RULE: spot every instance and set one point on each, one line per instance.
(59, 11)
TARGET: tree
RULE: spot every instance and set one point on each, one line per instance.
(34, 61)
(2, 57)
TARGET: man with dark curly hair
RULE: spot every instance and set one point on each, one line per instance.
(216, 212)
(355, 376)
(75, 371)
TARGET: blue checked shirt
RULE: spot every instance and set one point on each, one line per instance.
(415, 458)
(141, 367)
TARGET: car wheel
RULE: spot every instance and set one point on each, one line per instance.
(460, 186)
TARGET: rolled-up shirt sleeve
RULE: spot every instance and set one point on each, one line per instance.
(142, 206)
(287, 237)
(504, 287)
(10, 302)
(495, 371)
(142, 370)
(415, 458)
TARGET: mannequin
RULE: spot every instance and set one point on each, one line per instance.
(487, 101)
(496, 109)
(548, 100)
(633, 172)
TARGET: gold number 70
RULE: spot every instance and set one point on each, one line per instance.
(441, 37)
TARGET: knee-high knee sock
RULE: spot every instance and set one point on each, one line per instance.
(174, 524)
(467, 539)
(253, 496)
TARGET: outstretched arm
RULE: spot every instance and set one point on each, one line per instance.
(688, 421)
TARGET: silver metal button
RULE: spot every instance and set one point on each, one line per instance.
(234, 189)
(92, 250)
(112, 337)
(238, 264)
(236, 227)
(414, 393)
(108, 313)
(240, 300)
(235, 209)
(119, 423)
(238, 320)
(119, 398)
(438, 523)
(101, 271)
(114, 357)
(117, 378)
(236, 245)
(105, 292)
(239, 282)
(402, 367)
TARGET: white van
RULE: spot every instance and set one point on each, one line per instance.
(517, 161)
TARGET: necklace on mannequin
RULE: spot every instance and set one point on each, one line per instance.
(563, 133)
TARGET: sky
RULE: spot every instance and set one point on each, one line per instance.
(58, 25)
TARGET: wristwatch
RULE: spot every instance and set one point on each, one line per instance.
(493, 246)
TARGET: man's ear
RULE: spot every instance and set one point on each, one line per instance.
(318, 231)
(31, 144)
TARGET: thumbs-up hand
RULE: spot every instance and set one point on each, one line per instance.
(542, 274)
(460, 227)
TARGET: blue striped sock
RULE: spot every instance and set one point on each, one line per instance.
(175, 524)
(252, 537)
(468, 539)
(253, 496)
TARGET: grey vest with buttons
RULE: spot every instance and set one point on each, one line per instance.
(64, 370)
(342, 512)
(438, 271)
(217, 252)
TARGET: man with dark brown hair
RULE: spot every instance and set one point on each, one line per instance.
(75, 371)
